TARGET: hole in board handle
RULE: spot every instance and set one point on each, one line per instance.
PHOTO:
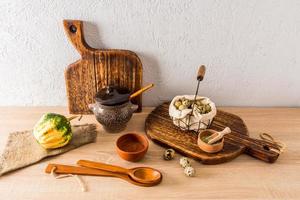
(266, 148)
(73, 28)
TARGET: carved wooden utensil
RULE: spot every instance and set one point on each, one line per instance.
(140, 174)
(216, 136)
(160, 128)
(66, 169)
(96, 69)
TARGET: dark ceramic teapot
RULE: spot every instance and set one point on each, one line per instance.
(112, 108)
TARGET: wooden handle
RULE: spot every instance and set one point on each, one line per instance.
(102, 166)
(213, 138)
(66, 169)
(201, 73)
(74, 31)
(137, 93)
(256, 148)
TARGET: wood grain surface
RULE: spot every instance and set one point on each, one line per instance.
(159, 127)
(243, 178)
(96, 69)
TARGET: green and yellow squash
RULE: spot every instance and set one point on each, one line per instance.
(53, 131)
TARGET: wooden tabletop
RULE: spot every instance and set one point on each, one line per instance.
(242, 178)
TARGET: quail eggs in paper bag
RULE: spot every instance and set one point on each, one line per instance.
(187, 112)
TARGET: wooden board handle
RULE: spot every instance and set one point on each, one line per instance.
(74, 31)
(256, 148)
(201, 73)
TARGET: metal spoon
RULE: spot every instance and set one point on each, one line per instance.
(140, 174)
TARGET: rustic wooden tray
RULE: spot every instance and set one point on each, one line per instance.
(159, 128)
(96, 69)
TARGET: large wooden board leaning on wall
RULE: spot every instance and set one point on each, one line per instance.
(96, 69)
(159, 128)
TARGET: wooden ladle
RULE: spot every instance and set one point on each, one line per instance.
(66, 169)
(140, 174)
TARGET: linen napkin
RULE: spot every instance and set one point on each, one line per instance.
(22, 149)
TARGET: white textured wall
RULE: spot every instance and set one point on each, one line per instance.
(251, 48)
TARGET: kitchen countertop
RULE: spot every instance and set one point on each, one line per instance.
(243, 178)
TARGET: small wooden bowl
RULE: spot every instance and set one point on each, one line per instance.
(132, 147)
(209, 148)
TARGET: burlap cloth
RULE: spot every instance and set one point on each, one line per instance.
(22, 149)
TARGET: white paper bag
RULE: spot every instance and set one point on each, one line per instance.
(183, 118)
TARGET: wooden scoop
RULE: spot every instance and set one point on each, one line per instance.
(216, 136)
(65, 169)
(140, 174)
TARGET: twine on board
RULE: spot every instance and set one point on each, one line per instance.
(268, 138)
(78, 178)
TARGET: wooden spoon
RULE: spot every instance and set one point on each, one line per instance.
(216, 136)
(140, 174)
(66, 169)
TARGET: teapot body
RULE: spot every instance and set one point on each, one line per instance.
(113, 118)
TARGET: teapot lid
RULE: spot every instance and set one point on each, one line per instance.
(111, 96)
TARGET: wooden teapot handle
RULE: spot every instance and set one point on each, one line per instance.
(140, 91)
(74, 31)
(260, 149)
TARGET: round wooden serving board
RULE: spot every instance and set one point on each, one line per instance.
(160, 128)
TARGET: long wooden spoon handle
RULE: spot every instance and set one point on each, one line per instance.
(102, 166)
(137, 93)
(66, 169)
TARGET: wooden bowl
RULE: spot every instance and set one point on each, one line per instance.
(132, 147)
(209, 148)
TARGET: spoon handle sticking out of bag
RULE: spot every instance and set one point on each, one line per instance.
(201, 73)
(200, 76)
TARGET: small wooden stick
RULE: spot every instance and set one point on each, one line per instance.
(72, 117)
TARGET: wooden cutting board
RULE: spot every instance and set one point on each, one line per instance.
(96, 69)
(159, 128)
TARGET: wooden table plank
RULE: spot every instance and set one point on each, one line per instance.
(243, 178)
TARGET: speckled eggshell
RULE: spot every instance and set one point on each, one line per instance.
(184, 162)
